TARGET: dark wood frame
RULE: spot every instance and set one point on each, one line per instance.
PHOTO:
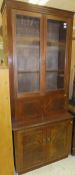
(45, 108)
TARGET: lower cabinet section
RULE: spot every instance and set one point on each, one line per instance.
(37, 146)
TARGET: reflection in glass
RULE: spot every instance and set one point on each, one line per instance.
(28, 53)
(28, 82)
(55, 55)
(51, 80)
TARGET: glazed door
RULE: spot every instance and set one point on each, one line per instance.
(27, 48)
(56, 37)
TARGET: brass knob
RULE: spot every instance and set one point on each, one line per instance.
(65, 95)
(71, 122)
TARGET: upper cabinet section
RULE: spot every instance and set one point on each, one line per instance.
(39, 53)
(39, 48)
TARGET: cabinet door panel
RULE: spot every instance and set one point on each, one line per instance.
(55, 53)
(27, 50)
(30, 152)
(59, 140)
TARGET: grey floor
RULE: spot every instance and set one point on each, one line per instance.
(63, 167)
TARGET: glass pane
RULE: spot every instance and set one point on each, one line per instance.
(55, 55)
(27, 26)
(52, 58)
(54, 80)
(51, 80)
(28, 59)
(28, 53)
(28, 82)
(60, 80)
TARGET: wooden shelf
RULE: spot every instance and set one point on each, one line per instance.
(61, 75)
(58, 71)
(52, 71)
(22, 72)
(56, 43)
(25, 40)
